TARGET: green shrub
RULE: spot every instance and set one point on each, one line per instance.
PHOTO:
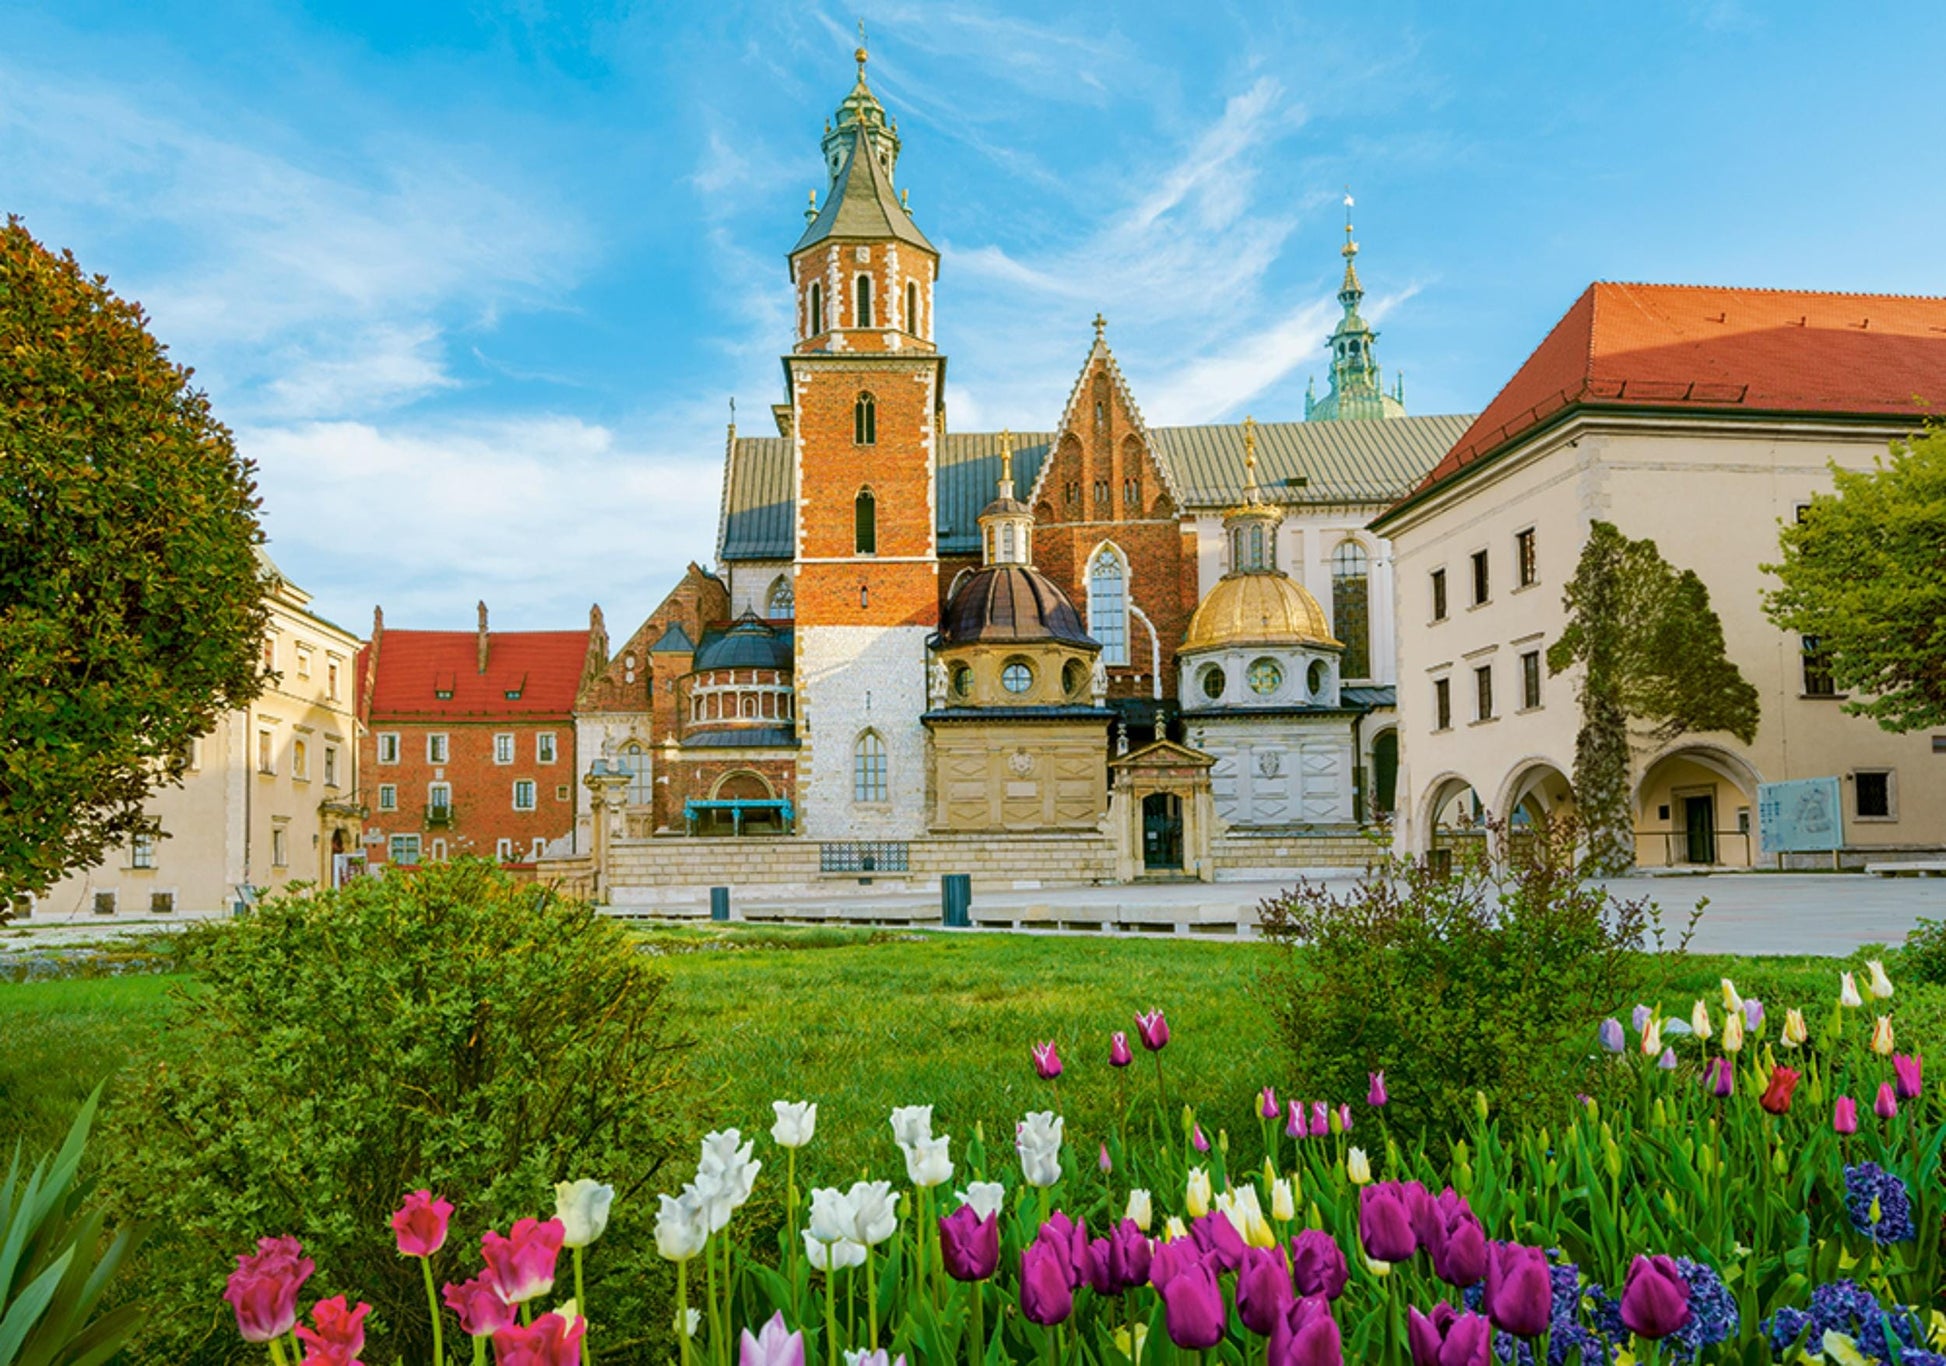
(1488, 977)
(1924, 956)
(452, 1029)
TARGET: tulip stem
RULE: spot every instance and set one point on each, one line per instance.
(297, 1350)
(709, 1290)
(432, 1298)
(830, 1310)
(790, 1212)
(979, 1325)
(580, 1305)
(682, 1309)
(479, 1352)
(871, 1299)
(277, 1352)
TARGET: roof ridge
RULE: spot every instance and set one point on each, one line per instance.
(1768, 289)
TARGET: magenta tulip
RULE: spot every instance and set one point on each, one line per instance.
(1377, 1097)
(1046, 1297)
(1153, 1030)
(339, 1334)
(482, 1312)
(1129, 1255)
(1721, 1078)
(1308, 1336)
(1844, 1115)
(1171, 1259)
(1267, 1104)
(1218, 1239)
(1655, 1299)
(1422, 1211)
(1098, 1268)
(1192, 1307)
(1887, 1104)
(1344, 1119)
(1318, 1264)
(521, 1265)
(969, 1246)
(550, 1341)
(1047, 1061)
(1103, 1162)
(1197, 1140)
(1263, 1290)
(1320, 1119)
(421, 1224)
(1519, 1295)
(263, 1288)
(1448, 1337)
(1906, 1072)
(1385, 1223)
(1294, 1119)
(1069, 1238)
(1118, 1054)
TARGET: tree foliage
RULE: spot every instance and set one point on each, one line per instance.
(1651, 652)
(1864, 573)
(131, 607)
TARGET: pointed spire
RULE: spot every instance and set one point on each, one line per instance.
(1006, 463)
(1101, 329)
(1351, 291)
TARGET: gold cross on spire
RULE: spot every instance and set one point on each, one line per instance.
(861, 54)
(1101, 326)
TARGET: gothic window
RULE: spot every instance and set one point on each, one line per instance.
(865, 527)
(817, 308)
(1101, 415)
(868, 769)
(1108, 604)
(1101, 493)
(1351, 613)
(864, 421)
(1132, 495)
(912, 307)
(782, 602)
(1071, 495)
(634, 761)
(864, 286)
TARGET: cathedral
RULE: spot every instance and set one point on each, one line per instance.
(1159, 651)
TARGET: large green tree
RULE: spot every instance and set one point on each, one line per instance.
(131, 605)
(1653, 665)
(1864, 574)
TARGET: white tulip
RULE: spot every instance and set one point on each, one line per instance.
(926, 1164)
(797, 1120)
(1283, 1204)
(695, 1324)
(838, 1256)
(1240, 1206)
(582, 1208)
(831, 1215)
(874, 1212)
(1699, 1020)
(1848, 990)
(1733, 1032)
(1196, 1192)
(1881, 984)
(681, 1228)
(1358, 1167)
(986, 1197)
(911, 1125)
(1038, 1140)
(1140, 1209)
(1174, 1230)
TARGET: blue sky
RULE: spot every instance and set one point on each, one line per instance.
(474, 285)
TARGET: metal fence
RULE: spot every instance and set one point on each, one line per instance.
(864, 856)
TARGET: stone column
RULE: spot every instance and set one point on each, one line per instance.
(608, 786)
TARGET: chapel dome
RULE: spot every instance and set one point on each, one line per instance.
(1258, 609)
(1011, 603)
(749, 644)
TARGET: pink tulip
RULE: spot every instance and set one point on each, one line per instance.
(421, 1224)
(1197, 1140)
(1344, 1119)
(1844, 1115)
(1906, 1069)
(551, 1341)
(1294, 1121)
(1887, 1105)
(1267, 1104)
(1105, 1164)
(1376, 1097)
(482, 1312)
(521, 1266)
(776, 1345)
(1047, 1062)
(263, 1288)
(1320, 1119)
(1153, 1030)
(1118, 1054)
(339, 1336)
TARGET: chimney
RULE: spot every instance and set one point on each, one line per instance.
(370, 681)
(483, 637)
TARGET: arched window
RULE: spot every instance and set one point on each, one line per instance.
(1351, 614)
(864, 288)
(912, 307)
(864, 421)
(864, 517)
(1007, 543)
(1108, 604)
(868, 769)
(1257, 546)
(782, 602)
(635, 762)
(749, 705)
(817, 308)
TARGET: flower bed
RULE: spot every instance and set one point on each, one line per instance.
(1759, 1197)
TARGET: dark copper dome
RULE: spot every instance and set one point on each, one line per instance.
(1011, 603)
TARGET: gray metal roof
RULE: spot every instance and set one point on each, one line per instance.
(1341, 462)
(1369, 696)
(749, 737)
(675, 640)
(862, 204)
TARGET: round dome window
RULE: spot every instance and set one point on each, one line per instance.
(1265, 677)
(1315, 679)
(962, 681)
(1214, 682)
(1072, 677)
(1016, 677)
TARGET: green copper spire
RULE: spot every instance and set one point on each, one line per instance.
(1356, 392)
(860, 111)
(860, 152)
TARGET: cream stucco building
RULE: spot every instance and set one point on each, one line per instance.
(268, 798)
(1700, 419)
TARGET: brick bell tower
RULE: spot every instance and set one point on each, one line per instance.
(866, 389)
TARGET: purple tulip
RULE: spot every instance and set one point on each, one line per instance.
(1385, 1223)
(1753, 1013)
(1200, 1143)
(1098, 1268)
(1069, 1239)
(1655, 1299)
(1906, 1071)
(776, 1345)
(1047, 1062)
(1045, 1294)
(969, 1246)
(1118, 1054)
(1721, 1078)
(1844, 1115)
(1641, 1018)
(1153, 1031)
(1129, 1255)
(1318, 1264)
(1267, 1104)
(1519, 1295)
(1171, 1259)
(1263, 1290)
(1320, 1119)
(1448, 1337)
(1294, 1119)
(1344, 1119)
(1308, 1336)
(1376, 1096)
(1459, 1251)
(1423, 1212)
(1667, 1062)
(1887, 1105)
(1103, 1162)
(1218, 1240)
(1613, 1040)
(1192, 1307)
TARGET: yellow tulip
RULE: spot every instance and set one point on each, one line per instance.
(1882, 1036)
(1795, 1032)
(1358, 1167)
(1196, 1199)
(1174, 1229)
(1731, 1001)
(1283, 1202)
(1733, 1032)
(1130, 1342)
(1140, 1209)
(1699, 1021)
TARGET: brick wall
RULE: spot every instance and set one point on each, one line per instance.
(834, 267)
(482, 790)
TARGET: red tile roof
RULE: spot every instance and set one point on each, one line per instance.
(414, 666)
(1732, 350)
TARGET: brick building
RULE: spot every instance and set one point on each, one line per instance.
(468, 742)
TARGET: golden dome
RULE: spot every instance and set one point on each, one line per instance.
(1258, 609)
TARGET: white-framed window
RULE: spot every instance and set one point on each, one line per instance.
(388, 796)
(301, 761)
(1530, 680)
(439, 851)
(388, 747)
(270, 654)
(331, 675)
(781, 604)
(1108, 604)
(439, 796)
(544, 747)
(503, 849)
(1874, 794)
(303, 661)
(436, 747)
(635, 762)
(330, 765)
(404, 850)
(524, 795)
(141, 851)
(868, 769)
(280, 847)
(536, 849)
(503, 747)
(266, 752)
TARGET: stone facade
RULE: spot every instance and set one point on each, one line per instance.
(854, 681)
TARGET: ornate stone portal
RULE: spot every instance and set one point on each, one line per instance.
(1161, 813)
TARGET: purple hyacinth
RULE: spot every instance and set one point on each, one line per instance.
(1713, 1316)
(1868, 1181)
(1848, 1308)
(1574, 1324)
